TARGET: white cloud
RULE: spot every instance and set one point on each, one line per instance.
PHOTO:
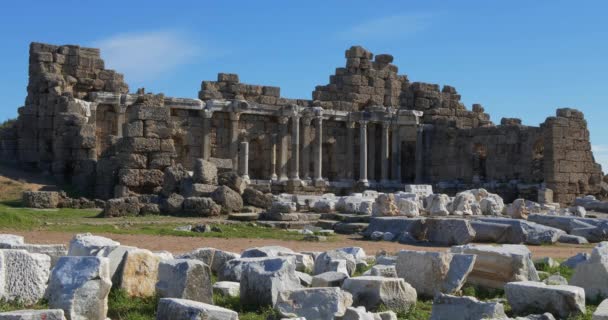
(145, 55)
(389, 27)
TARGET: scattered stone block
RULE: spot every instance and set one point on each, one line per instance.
(465, 308)
(54, 314)
(329, 279)
(313, 303)
(181, 309)
(185, 279)
(80, 287)
(139, 273)
(204, 172)
(449, 231)
(330, 260)
(529, 296)
(86, 244)
(601, 313)
(373, 292)
(40, 199)
(592, 274)
(227, 289)
(262, 280)
(23, 276)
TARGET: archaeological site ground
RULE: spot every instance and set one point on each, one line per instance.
(377, 197)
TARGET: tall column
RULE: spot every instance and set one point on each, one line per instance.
(206, 143)
(371, 152)
(305, 166)
(283, 144)
(273, 157)
(318, 153)
(234, 139)
(244, 160)
(384, 159)
(363, 152)
(420, 147)
(350, 150)
(396, 155)
(295, 147)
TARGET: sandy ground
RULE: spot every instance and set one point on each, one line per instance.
(184, 244)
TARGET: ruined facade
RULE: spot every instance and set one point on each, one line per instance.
(369, 127)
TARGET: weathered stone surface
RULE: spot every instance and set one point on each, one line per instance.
(449, 231)
(408, 207)
(373, 292)
(229, 199)
(601, 313)
(23, 276)
(497, 265)
(40, 199)
(185, 279)
(573, 261)
(232, 270)
(212, 257)
(173, 178)
(7, 241)
(55, 314)
(329, 279)
(120, 207)
(257, 198)
(174, 204)
(385, 205)
(313, 303)
(384, 271)
(395, 225)
(592, 275)
(465, 308)
(116, 261)
(518, 209)
(529, 296)
(305, 278)
(201, 207)
(266, 251)
(181, 309)
(262, 280)
(204, 172)
(86, 244)
(233, 181)
(437, 205)
(434, 272)
(139, 273)
(80, 287)
(327, 261)
(227, 289)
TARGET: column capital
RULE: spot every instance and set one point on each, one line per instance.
(206, 113)
(363, 122)
(386, 125)
(283, 119)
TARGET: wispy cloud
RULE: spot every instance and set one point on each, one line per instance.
(144, 55)
(394, 27)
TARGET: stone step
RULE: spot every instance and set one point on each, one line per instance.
(350, 228)
(250, 216)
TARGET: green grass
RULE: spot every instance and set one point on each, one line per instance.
(13, 217)
(561, 270)
(123, 307)
(420, 311)
(233, 303)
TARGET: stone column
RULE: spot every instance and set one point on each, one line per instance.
(420, 146)
(350, 150)
(318, 153)
(295, 148)
(244, 160)
(234, 139)
(283, 144)
(120, 121)
(363, 152)
(273, 158)
(206, 142)
(305, 167)
(371, 152)
(396, 155)
(384, 159)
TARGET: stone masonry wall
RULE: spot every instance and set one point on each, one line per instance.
(570, 168)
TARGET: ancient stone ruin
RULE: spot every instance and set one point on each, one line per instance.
(368, 128)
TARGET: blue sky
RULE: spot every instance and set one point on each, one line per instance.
(517, 58)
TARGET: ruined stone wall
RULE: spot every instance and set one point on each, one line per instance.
(55, 127)
(570, 168)
(490, 154)
(187, 134)
(228, 86)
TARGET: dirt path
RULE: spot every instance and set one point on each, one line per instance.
(184, 244)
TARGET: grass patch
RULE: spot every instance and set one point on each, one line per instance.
(420, 311)
(561, 270)
(245, 313)
(13, 306)
(482, 293)
(123, 307)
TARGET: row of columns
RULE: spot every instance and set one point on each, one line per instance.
(390, 153)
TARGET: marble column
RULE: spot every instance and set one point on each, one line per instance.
(234, 140)
(363, 152)
(120, 121)
(350, 150)
(396, 154)
(295, 148)
(206, 141)
(244, 160)
(273, 157)
(371, 152)
(384, 158)
(305, 165)
(318, 153)
(284, 146)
